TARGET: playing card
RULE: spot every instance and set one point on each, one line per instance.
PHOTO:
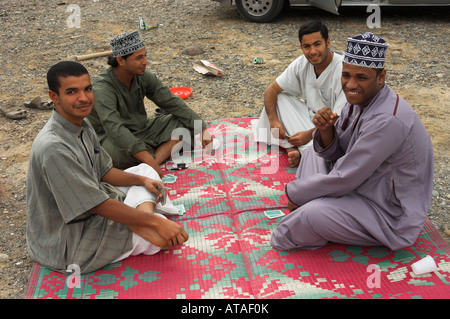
(163, 192)
(274, 213)
(169, 179)
(181, 209)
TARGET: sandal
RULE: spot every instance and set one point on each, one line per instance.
(12, 111)
(37, 103)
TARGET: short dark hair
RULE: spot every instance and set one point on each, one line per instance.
(311, 27)
(63, 69)
(379, 71)
(112, 61)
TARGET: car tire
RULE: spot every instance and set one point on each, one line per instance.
(259, 10)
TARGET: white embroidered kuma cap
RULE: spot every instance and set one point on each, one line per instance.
(126, 43)
(367, 50)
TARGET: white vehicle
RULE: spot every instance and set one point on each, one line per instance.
(267, 10)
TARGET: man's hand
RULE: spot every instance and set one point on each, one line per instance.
(325, 119)
(292, 206)
(152, 186)
(207, 139)
(277, 126)
(301, 138)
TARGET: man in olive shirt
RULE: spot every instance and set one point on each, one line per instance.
(119, 116)
(75, 216)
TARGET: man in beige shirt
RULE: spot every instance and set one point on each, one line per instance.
(74, 213)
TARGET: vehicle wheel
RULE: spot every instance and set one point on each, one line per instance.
(259, 10)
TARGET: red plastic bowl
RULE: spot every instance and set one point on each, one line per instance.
(182, 91)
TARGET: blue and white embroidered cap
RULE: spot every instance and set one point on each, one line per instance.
(366, 50)
(126, 43)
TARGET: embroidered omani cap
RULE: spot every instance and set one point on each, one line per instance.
(367, 50)
(126, 43)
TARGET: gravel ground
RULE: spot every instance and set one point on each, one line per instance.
(35, 35)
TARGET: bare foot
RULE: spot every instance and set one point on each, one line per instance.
(149, 234)
(294, 157)
(166, 235)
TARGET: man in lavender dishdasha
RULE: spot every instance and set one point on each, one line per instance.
(368, 178)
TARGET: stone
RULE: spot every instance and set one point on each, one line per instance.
(193, 50)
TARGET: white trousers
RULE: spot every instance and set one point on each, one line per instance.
(136, 195)
(295, 116)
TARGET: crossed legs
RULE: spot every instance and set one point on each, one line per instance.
(346, 220)
(145, 240)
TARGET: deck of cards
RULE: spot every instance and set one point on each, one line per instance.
(272, 214)
(163, 192)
